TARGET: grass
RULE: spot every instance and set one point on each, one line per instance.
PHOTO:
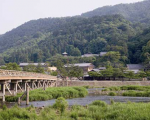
(52, 93)
(134, 91)
(98, 110)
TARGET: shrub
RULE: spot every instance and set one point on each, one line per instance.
(61, 104)
(112, 94)
(99, 103)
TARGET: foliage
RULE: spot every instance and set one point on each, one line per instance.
(32, 68)
(11, 66)
(115, 111)
(99, 103)
(112, 94)
(135, 12)
(52, 93)
(61, 104)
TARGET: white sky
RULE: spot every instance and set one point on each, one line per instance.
(16, 12)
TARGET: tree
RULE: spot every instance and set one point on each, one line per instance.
(11, 66)
(142, 74)
(107, 73)
(39, 69)
(30, 68)
(117, 73)
(75, 71)
(129, 74)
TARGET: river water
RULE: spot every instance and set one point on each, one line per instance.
(86, 100)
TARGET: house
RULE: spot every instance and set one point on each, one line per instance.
(85, 66)
(102, 68)
(103, 53)
(90, 55)
(93, 55)
(99, 69)
(135, 67)
(52, 68)
(22, 65)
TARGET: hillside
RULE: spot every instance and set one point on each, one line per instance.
(41, 39)
(139, 47)
(134, 12)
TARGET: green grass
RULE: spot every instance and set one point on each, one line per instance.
(134, 91)
(98, 110)
(52, 93)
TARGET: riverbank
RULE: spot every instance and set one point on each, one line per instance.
(97, 110)
(103, 83)
(133, 91)
(52, 93)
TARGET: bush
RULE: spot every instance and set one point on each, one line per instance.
(61, 104)
(99, 103)
(112, 94)
(52, 93)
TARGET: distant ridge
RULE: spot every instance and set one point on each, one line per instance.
(135, 12)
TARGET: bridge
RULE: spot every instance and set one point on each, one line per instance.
(13, 82)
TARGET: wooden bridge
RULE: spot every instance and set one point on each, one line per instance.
(13, 82)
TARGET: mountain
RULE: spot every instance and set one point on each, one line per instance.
(134, 12)
(41, 39)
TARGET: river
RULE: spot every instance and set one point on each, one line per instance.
(86, 100)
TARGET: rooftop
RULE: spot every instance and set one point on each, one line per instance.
(135, 66)
(80, 64)
(36, 64)
(103, 53)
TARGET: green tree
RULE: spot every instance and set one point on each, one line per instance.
(107, 73)
(117, 73)
(129, 74)
(11, 66)
(75, 71)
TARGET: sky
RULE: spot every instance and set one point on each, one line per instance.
(16, 12)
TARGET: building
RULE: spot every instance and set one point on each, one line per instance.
(64, 54)
(103, 53)
(35, 64)
(85, 66)
(52, 68)
(90, 55)
(135, 67)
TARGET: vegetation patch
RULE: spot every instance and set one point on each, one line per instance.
(52, 93)
(98, 110)
(134, 91)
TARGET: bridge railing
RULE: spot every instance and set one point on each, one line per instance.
(23, 74)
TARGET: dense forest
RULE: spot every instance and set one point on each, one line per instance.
(41, 40)
(134, 12)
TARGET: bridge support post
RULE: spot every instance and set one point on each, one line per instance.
(3, 90)
(27, 96)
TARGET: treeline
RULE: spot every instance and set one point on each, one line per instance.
(114, 73)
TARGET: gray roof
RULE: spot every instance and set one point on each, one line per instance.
(36, 64)
(135, 66)
(89, 55)
(64, 53)
(95, 70)
(102, 68)
(102, 53)
(80, 65)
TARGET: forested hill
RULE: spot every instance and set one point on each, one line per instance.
(135, 12)
(31, 30)
(39, 40)
(139, 47)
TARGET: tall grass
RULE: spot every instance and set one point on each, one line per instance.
(134, 91)
(52, 93)
(98, 110)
